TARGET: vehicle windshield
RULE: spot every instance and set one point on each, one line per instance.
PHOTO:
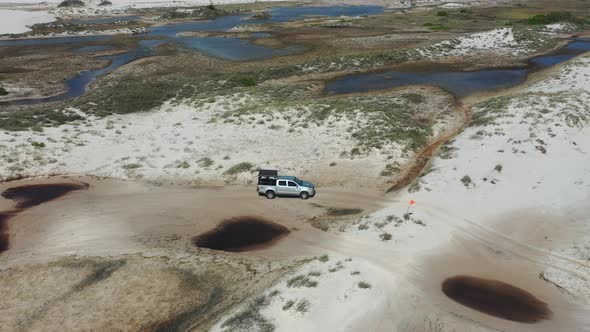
(299, 182)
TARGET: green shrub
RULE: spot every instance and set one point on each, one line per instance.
(38, 145)
(205, 162)
(303, 306)
(385, 237)
(364, 285)
(3, 91)
(184, 164)
(301, 281)
(442, 13)
(131, 166)
(436, 27)
(239, 168)
(551, 18)
(248, 81)
(288, 305)
(25, 119)
(466, 180)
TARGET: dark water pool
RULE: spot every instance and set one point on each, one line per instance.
(460, 83)
(77, 85)
(229, 48)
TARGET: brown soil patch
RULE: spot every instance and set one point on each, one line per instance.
(31, 195)
(4, 216)
(241, 234)
(496, 298)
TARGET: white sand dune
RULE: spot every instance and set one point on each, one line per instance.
(18, 21)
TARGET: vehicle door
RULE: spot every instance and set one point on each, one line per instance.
(293, 188)
(282, 187)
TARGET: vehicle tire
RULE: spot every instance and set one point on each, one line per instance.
(304, 195)
(270, 194)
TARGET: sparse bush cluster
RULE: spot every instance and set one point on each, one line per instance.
(205, 162)
(25, 119)
(555, 17)
(301, 281)
(248, 81)
(71, 3)
(436, 27)
(250, 317)
(364, 285)
(38, 145)
(324, 258)
(466, 180)
(385, 237)
(239, 168)
(208, 11)
(390, 169)
(132, 166)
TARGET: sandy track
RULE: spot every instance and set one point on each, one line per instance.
(118, 217)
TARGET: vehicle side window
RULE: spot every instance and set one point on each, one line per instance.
(292, 184)
(267, 182)
(283, 183)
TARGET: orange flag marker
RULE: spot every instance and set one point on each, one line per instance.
(412, 202)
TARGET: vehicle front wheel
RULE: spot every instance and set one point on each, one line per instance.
(304, 195)
(270, 194)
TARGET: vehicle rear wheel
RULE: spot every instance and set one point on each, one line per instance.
(304, 195)
(270, 194)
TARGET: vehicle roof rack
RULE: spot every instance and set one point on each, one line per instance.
(268, 173)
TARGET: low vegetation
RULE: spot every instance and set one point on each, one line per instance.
(288, 305)
(71, 3)
(364, 285)
(555, 17)
(301, 281)
(303, 306)
(466, 180)
(385, 237)
(436, 27)
(338, 212)
(250, 317)
(209, 11)
(239, 168)
(324, 258)
(38, 145)
(205, 162)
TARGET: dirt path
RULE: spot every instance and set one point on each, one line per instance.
(115, 217)
(424, 156)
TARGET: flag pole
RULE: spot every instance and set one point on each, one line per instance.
(410, 203)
